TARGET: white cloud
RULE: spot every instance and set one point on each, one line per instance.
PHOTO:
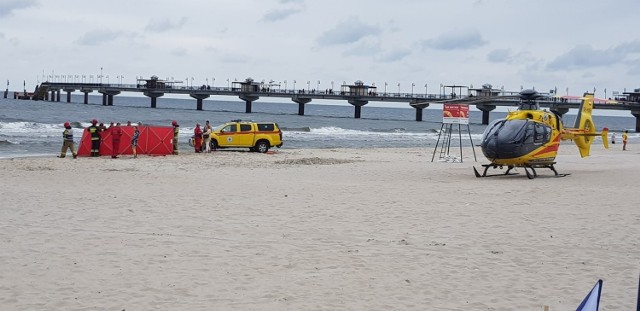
(277, 15)
(499, 56)
(165, 24)
(582, 56)
(456, 40)
(395, 55)
(348, 32)
(98, 37)
(7, 7)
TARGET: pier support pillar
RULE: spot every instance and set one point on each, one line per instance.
(301, 102)
(485, 112)
(248, 99)
(419, 109)
(58, 96)
(69, 91)
(6, 93)
(637, 115)
(357, 103)
(199, 98)
(154, 96)
(419, 113)
(107, 96)
(53, 95)
(86, 94)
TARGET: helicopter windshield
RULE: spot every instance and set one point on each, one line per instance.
(509, 131)
(517, 131)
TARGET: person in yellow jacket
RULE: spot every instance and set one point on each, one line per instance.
(625, 136)
(67, 141)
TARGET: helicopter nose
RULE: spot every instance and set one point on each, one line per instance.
(490, 148)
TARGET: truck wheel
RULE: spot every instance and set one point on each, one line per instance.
(214, 144)
(262, 146)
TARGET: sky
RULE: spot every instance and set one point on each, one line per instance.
(401, 45)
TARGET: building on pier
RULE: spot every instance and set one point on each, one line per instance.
(155, 83)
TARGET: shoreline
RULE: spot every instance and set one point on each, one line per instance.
(340, 229)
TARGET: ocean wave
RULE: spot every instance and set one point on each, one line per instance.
(296, 129)
(4, 142)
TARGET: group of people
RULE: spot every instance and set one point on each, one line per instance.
(94, 132)
(116, 137)
(202, 138)
(625, 137)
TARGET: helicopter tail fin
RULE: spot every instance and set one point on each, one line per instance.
(584, 132)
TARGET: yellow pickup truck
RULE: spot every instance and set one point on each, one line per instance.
(257, 136)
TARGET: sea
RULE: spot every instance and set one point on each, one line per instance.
(34, 128)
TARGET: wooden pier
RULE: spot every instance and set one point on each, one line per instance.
(357, 94)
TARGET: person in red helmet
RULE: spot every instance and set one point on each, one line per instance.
(94, 131)
(67, 137)
(197, 136)
(176, 130)
(116, 135)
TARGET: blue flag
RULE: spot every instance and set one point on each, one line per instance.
(592, 301)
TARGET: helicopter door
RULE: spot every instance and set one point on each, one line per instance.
(542, 133)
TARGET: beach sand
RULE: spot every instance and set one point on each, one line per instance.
(333, 229)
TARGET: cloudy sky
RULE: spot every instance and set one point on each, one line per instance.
(546, 44)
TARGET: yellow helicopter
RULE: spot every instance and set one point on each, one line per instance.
(530, 137)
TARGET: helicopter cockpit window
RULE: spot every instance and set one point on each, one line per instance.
(514, 131)
(493, 127)
(541, 133)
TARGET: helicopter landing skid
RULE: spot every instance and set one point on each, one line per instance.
(533, 173)
(487, 166)
(530, 174)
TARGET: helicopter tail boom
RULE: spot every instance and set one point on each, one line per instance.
(584, 131)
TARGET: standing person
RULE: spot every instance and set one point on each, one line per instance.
(134, 141)
(102, 128)
(94, 131)
(207, 136)
(176, 130)
(625, 136)
(197, 136)
(613, 138)
(116, 135)
(67, 137)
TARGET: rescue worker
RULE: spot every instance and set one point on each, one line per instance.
(116, 135)
(197, 137)
(176, 130)
(206, 134)
(94, 131)
(625, 137)
(134, 141)
(67, 137)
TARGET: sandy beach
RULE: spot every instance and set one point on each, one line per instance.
(312, 229)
